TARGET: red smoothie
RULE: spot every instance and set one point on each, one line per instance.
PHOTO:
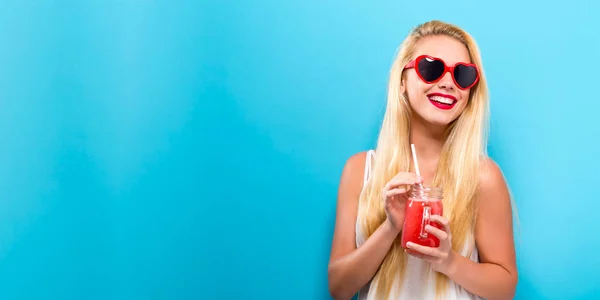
(416, 217)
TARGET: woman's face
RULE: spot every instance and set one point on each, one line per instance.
(441, 102)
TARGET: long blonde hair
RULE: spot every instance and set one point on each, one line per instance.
(458, 166)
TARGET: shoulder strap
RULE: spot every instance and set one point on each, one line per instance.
(367, 174)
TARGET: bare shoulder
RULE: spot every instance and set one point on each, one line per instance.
(491, 178)
(494, 199)
(353, 173)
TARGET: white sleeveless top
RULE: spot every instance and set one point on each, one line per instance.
(419, 281)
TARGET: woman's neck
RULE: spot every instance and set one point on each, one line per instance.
(428, 141)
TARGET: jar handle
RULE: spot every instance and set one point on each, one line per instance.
(425, 221)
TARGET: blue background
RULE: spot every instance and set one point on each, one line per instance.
(192, 149)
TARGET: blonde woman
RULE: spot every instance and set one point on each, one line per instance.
(438, 101)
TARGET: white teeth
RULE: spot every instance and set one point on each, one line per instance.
(442, 99)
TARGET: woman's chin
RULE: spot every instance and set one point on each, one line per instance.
(439, 121)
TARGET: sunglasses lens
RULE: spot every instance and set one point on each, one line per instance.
(465, 75)
(430, 69)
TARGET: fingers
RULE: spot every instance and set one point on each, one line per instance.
(441, 220)
(419, 255)
(394, 192)
(402, 178)
(440, 234)
(423, 250)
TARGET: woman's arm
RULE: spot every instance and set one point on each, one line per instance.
(351, 268)
(495, 277)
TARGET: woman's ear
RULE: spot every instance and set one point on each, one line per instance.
(402, 86)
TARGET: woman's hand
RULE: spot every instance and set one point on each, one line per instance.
(394, 195)
(442, 257)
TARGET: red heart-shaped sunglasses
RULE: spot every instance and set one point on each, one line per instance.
(431, 69)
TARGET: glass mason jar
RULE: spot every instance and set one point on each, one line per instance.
(423, 201)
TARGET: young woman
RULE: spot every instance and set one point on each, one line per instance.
(438, 101)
